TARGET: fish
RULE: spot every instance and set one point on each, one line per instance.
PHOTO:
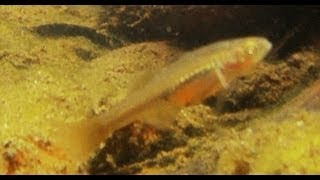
(193, 77)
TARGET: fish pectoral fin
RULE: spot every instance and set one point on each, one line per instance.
(221, 78)
(160, 114)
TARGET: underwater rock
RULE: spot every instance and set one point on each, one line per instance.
(14, 157)
(194, 25)
(85, 54)
(62, 29)
(269, 84)
(131, 144)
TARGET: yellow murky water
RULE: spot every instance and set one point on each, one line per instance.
(46, 88)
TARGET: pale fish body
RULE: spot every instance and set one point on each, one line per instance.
(192, 78)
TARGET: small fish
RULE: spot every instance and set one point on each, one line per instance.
(195, 76)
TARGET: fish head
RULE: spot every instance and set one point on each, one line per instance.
(244, 54)
(255, 47)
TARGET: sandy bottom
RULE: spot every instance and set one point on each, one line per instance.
(49, 91)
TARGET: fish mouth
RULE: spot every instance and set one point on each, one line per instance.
(268, 45)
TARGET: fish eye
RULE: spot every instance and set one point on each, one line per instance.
(251, 47)
(251, 51)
